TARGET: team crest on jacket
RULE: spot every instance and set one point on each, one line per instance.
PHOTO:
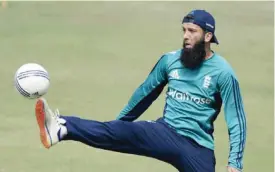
(206, 81)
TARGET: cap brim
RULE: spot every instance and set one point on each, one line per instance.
(214, 39)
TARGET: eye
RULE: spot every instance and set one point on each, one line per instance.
(183, 29)
(192, 30)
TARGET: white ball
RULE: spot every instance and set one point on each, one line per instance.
(32, 80)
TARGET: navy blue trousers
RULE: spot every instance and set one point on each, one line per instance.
(153, 139)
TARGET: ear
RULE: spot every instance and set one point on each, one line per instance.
(208, 36)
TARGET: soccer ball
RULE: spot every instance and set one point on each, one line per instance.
(32, 80)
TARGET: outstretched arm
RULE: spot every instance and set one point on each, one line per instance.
(147, 92)
(235, 119)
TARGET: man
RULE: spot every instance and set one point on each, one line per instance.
(199, 82)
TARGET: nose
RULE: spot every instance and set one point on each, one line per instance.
(185, 36)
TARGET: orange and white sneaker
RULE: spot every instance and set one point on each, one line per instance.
(51, 126)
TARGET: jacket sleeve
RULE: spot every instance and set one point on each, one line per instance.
(235, 118)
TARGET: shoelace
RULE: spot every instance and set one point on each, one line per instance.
(59, 120)
(56, 112)
(56, 116)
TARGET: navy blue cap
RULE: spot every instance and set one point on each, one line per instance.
(203, 19)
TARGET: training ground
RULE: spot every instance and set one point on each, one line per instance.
(97, 53)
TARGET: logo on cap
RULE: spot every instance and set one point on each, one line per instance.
(207, 24)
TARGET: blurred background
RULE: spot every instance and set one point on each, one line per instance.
(97, 54)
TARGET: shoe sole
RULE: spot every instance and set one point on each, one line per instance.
(40, 117)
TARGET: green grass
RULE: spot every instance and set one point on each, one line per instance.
(97, 53)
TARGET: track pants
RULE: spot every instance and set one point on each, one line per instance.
(153, 139)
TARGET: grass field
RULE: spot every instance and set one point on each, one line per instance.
(97, 53)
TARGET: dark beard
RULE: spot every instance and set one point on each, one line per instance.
(193, 57)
